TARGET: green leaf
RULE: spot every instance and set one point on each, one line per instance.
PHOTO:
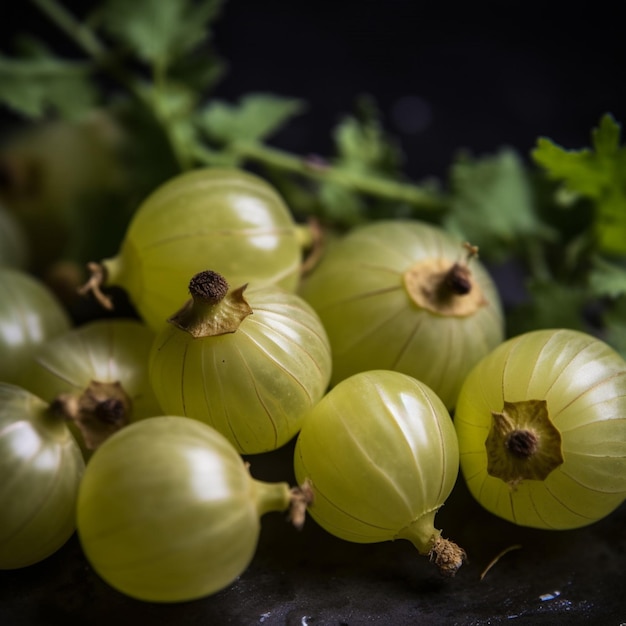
(606, 137)
(198, 72)
(365, 150)
(597, 173)
(363, 145)
(577, 168)
(254, 118)
(610, 224)
(35, 87)
(607, 278)
(492, 204)
(160, 31)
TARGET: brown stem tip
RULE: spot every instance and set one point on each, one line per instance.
(458, 281)
(212, 309)
(522, 443)
(208, 286)
(447, 556)
(445, 288)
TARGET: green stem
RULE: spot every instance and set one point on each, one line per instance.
(446, 555)
(371, 185)
(82, 35)
(271, 496)
(86, 39)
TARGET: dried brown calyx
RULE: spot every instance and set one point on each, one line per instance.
(213, 309)
(523, 443)
(445, 288)
(99, 411)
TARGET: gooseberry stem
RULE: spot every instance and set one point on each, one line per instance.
(97, 278)
(212, 309)
(301, 498)
(458, 280)
(280, 497)
(318, 169)
(437, 285)
(445, 554)
(208, 287)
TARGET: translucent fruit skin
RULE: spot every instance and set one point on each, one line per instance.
(225, 220)
(106, 351)
(41, 467)
(166, 511)
(359, 293)
(583, 382)
(254, 385)
(381, 452)
(29, 316)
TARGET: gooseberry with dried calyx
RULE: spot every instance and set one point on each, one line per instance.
(541, 423)
(381, 456)
(96, 376)
(406, 296)
(226, 219)
(248, 361)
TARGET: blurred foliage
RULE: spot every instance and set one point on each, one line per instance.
(103, 131)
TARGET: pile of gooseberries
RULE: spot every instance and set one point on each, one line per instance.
(387, 365)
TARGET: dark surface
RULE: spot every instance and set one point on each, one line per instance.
(310, 578)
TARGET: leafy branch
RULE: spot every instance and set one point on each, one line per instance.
(560, 220)
(164, 36)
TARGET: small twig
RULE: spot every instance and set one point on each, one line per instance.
(82, 35)
(301, 497)
(94, 284)
(498, 557)
(472, 251)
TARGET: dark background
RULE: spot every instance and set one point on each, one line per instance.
(446, 75)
